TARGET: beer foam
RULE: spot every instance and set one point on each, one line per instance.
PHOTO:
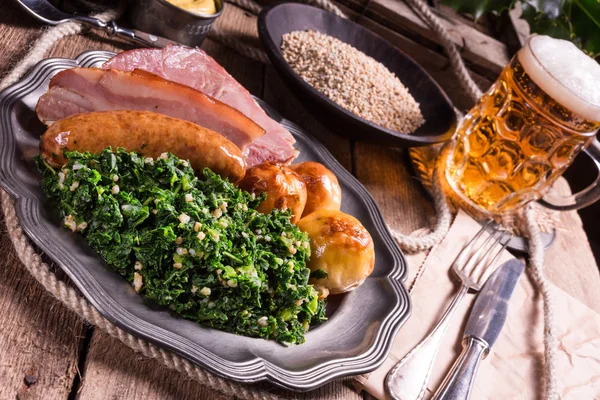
(566, 73)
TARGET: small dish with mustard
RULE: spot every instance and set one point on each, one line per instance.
(184, 21)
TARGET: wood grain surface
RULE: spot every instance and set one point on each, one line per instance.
(62, 358)
(487, 55)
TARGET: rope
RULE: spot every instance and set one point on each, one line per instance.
(536, 261)
(456, 61)
(45, 42)
(417, 242)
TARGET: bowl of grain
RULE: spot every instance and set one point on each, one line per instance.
(353, 81)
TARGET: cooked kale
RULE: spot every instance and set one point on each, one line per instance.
(319, 274)
(196, 246)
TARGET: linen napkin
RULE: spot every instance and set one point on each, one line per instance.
(513, 367)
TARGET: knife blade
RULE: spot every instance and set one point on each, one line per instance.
(483, 328)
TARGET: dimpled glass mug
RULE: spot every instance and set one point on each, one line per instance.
(526, 130)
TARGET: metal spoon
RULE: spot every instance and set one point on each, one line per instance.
(46, 12)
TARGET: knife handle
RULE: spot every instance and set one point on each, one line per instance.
(138, 37)
(459, 381)
(133, 35)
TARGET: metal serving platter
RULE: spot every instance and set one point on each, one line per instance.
(356, 338)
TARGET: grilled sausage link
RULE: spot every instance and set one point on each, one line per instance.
(147, 133)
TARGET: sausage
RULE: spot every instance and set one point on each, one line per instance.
(147, 133)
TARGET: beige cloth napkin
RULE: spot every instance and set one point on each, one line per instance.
(512, 370)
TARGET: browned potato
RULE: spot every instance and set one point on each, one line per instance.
(322, 186)
(283, 187)
(341, 247)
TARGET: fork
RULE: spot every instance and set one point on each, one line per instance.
(407, 380)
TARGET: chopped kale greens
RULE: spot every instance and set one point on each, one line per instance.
(319, 274)
(196, 246)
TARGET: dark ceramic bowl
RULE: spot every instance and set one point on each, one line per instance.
(277, 20)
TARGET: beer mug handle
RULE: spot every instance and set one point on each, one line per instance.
(584, 198)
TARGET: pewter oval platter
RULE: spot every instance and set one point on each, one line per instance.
(362, 324)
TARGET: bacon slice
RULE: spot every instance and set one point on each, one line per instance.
(79, 90)
(195, 68)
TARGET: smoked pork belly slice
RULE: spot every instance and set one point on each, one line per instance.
(196, 69)
(79, 90)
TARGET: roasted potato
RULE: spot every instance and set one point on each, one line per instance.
(341, 247)
(283, 187)
(322, 187)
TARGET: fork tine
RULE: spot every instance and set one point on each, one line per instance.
(476, 259)
(486, 247)
(464, 253)
(489, 259)
(504, 240)
(505, 235)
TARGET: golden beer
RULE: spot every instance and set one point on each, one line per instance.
(521, 135)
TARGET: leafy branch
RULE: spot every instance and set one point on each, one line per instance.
(574, 20)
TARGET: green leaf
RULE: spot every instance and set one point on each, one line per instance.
(551, 9)
(577, 21)
(574, 20)
(318, 274)
(585, 25)
(539, 22)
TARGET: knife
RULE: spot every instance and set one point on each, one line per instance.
(483, 328)
(46, 12)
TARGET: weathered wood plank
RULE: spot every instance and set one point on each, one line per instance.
(390, 180)
(38, 336)
(464, 19)
(17, 31)
(240, 25)
(435, 63)
(483, 53)
(114, 371)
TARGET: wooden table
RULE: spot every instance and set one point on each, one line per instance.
(46, 352)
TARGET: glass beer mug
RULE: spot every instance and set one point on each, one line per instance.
(527, 128)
